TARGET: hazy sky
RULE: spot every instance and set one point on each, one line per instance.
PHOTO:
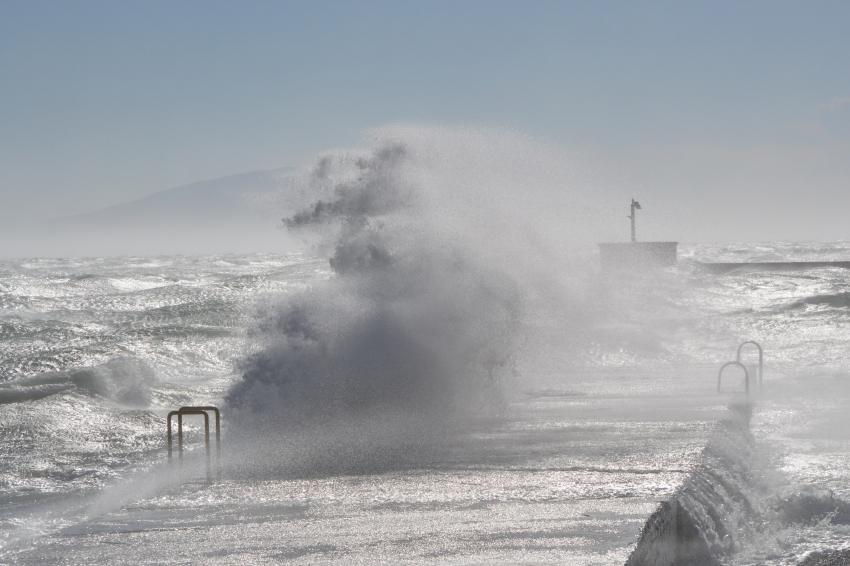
(704, 103)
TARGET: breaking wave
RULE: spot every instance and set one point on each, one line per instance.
(733, 501)
(414, 325)
(123, 380)
(835, 301)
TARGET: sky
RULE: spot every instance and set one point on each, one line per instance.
(734, 110)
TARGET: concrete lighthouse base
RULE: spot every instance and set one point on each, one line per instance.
(637, 255)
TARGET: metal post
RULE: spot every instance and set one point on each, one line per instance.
(635, 206)
(169, 434)
(207, 441)
(180, 437)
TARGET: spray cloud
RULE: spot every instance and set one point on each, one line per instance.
(413, 321)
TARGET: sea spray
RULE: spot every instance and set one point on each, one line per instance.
(716, 507)
(737, 507)
(412, 331)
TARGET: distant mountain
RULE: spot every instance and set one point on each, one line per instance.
(227, 199)
(233, 214)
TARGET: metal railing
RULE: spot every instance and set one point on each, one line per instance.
(197, 411)
(746, 375)
(761, 358)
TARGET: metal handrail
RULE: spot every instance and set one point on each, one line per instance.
(217, 431)
(746, 375)
(761, 358)
(196, 411)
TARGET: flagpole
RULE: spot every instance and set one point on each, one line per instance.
(635, 205)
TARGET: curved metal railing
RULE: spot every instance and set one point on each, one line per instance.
(746, 375)
(203, 411)
(761, 358)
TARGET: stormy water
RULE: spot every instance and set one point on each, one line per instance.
(443, 376)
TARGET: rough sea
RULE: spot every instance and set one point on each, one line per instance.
(362, 427)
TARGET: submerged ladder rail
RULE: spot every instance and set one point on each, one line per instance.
(761, 359)
(203, 411)
(746, 375)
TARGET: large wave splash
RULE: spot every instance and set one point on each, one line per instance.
(415, 323)
(737, 501)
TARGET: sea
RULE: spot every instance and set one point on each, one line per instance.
(435, 412)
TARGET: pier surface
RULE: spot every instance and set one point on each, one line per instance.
(568, 476)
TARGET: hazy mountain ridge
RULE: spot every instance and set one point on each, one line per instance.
(232, 214)
(230, 197)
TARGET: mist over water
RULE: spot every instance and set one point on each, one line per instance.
(448, 249)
